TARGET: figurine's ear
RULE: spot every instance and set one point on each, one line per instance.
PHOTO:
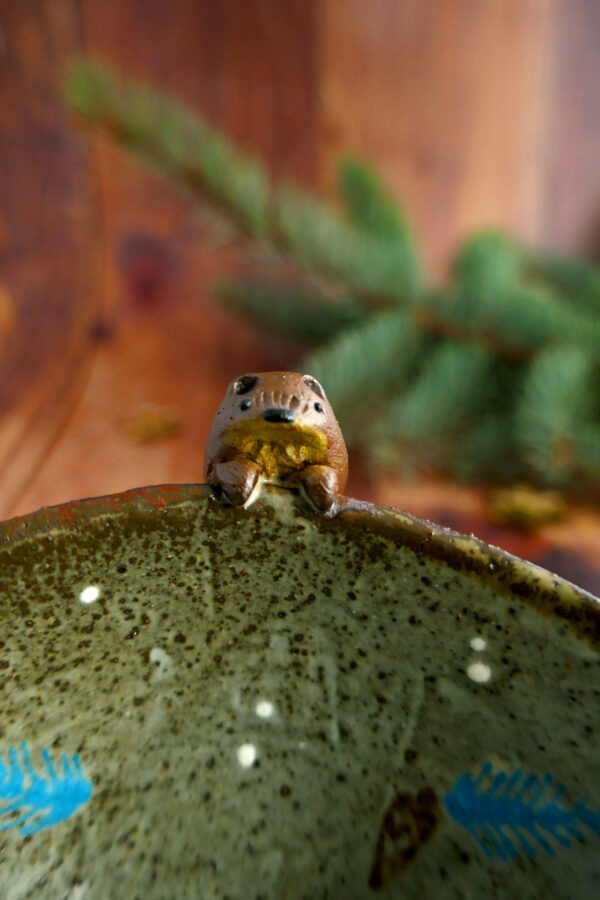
(314, 385)
(244, 383)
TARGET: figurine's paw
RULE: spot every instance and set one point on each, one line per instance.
(236, 479)
(321, 486)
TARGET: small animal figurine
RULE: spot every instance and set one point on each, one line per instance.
(277, 427)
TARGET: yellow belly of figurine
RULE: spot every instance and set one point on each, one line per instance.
(278, 449)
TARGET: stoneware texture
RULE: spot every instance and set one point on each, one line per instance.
(202, 701)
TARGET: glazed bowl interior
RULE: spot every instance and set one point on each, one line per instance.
(202, 701)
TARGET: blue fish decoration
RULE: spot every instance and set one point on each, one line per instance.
(510, 814)
(45, 799)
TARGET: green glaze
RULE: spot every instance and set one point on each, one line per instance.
(252, 689)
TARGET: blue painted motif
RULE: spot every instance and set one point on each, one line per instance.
(508, 814)
(44, 799)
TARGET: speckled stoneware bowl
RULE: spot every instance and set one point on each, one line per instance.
(206, 702)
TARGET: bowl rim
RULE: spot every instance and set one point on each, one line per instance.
(508, 575)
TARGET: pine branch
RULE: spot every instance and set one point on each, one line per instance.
(365, 365)
(495, 300)
(319, 240)
(488, 448)
(444, 398)
(515, 321)
(488, 451)
(577, 282)
(290, 311)
(495, 376)
(586, 439)
(487, 263)
(371, 207)
(173, 140)
(382, 272)
(559, 401)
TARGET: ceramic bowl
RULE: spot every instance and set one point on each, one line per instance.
(206, 702)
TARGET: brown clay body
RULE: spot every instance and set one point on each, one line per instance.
(278, 427)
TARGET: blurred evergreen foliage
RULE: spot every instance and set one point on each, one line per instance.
(494, 376)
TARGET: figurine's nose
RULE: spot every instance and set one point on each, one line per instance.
(279, 415)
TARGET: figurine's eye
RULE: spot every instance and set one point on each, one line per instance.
(314, 385)
(245, 404)
(244, 383)
(319, 407)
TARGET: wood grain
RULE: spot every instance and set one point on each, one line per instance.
(249, 68)
(451, 100)
(572, 173)
(48, 248)
(164, 344)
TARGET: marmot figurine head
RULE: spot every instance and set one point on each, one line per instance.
(277, 427)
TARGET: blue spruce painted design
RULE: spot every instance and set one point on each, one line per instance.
(45, 799)
(509, 814)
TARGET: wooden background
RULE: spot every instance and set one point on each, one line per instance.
(477, 112)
